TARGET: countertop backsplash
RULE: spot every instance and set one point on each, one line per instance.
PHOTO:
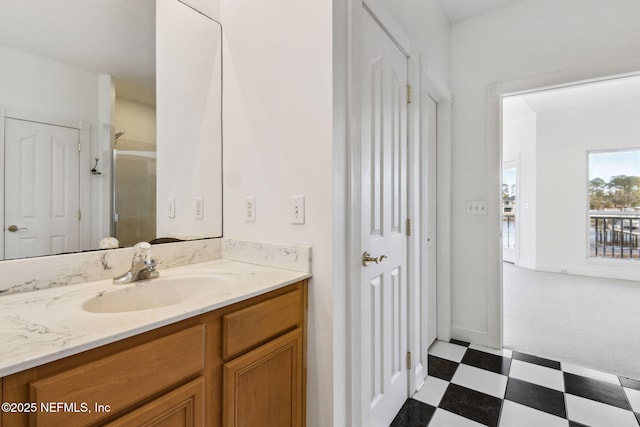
(31, 274)
(276, 255)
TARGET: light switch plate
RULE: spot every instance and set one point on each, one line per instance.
(296, 209)
(477, 208)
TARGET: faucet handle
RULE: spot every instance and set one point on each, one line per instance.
(141, 252)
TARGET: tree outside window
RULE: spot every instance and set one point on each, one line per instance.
(614, 204)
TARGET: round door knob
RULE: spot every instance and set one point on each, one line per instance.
(14, 228)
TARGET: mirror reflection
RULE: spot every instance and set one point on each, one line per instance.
(134, 171)
(78, 131)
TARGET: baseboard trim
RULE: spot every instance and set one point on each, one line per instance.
(469, 335)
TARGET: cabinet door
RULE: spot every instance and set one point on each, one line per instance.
(265, 386)
(183, 406)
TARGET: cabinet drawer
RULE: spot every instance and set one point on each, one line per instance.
(253, 325)
(121, 379)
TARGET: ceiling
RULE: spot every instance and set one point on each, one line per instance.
(461, 10)
(115, 37)
(606, 91)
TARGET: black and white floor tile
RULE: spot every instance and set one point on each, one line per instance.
(471, 386)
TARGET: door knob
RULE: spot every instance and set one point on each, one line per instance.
(367, 258)
(14, 228)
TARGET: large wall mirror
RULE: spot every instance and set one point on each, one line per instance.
(110, 124)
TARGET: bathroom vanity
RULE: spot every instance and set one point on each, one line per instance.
(218, 342)
(228, 350)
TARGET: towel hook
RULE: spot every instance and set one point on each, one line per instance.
(94, 170)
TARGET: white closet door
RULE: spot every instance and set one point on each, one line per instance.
(383, 297)
(41, 189)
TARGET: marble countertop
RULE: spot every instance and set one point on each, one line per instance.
(49, 324)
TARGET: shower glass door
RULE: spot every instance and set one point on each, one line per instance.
(134, 196)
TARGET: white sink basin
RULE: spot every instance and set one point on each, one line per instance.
(156, 293)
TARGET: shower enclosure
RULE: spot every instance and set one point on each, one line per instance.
(134, 191)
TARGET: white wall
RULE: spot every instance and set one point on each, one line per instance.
(211, 8)
(530, 39)
(427, 26)
(563, 139)
(32, 84)
(285, 109)
(50, 91)
(136, 119)
(278, 143)
(188, 111)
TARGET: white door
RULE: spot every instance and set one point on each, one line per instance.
(428, 214)
(383, 296)
(41, 189)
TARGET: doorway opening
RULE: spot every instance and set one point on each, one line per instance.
(568, 202)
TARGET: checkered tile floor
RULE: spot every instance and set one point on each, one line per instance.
(476, 386)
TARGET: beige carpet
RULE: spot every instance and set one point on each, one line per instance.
(591, 322)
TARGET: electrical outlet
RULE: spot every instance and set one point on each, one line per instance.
(250, 209)
(199, 208)
(171, 207)
(296, 209)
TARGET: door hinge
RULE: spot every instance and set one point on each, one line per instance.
(79, 215)
(408, 94)
(79, 146)
(408, 360)
(408, 226)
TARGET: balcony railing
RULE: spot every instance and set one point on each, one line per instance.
(509, 230)
(615, 235)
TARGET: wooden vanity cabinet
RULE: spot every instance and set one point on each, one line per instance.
(240, 365)
(264, 386)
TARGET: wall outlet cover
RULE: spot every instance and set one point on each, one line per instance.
(171, 207)
(250, 208)
(199, 207)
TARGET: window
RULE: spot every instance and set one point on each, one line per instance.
(614, 204)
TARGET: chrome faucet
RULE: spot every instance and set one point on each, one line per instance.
(142, 266)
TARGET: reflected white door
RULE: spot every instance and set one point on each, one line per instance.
(383, 297)
(41, 189)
